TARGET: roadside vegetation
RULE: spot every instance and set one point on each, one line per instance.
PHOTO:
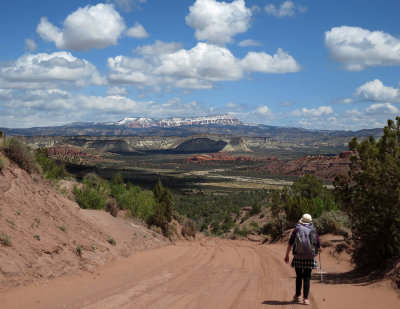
(218, 210)
(363, 206)
(371, 197)
(153, 207)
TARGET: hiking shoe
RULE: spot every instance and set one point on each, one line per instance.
(296, 299)
(305, 301)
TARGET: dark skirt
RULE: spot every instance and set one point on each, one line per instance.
(304, 263)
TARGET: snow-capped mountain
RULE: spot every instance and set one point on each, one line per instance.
(177, 121)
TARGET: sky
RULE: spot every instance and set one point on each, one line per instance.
(315, 64)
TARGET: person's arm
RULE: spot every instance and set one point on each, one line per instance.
(287, 253)
(291, 242)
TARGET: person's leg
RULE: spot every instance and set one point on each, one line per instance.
(306, 279)
(299, 279)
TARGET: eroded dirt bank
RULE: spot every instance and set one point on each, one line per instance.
(207, 273)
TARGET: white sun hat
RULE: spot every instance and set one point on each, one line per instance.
(305, 219)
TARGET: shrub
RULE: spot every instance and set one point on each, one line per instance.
(112, 241)
(189, 229)
(63, 228)
(140, 203)
(112, 207)
(255, 209)
(335, 222)
(2, 163)
(37, 237)
(50, 169)
(241, 231)
(162, 214)
(276, 227)
(19, 153)
(5, 240)
(371, 196)
(93, 194)
(244, 218)
(79, 250)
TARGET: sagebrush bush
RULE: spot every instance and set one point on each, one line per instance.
(19, 153)
(93, 194)
(2, 163)
(334, 222)
(5, 240)
(112, 207)
(276, 226)
(50, 169)
(244, 231)
(189, 228)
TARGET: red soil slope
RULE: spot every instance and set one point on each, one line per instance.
(46, 229)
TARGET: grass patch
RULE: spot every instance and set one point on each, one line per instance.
(112, 241)
(5, 240)
(79, 250)
(10, 221)
(35, 223)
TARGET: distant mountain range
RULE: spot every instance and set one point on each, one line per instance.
(177, 121)
(181, 127)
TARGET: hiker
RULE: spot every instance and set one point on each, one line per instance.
(306, 246)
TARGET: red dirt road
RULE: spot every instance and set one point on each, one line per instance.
(210, 273)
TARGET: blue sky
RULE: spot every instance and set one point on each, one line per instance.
(313, 64)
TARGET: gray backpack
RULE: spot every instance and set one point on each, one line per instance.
(305, 245)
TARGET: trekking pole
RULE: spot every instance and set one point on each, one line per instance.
(322, 280)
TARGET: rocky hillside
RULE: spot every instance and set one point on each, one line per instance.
(323, 167)
(44, 235)
(222, 156)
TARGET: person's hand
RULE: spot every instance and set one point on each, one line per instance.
(286, 258)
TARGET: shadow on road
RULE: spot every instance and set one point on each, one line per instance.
(277, 302)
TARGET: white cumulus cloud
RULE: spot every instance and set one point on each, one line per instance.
(89, 27)
(357, 48)
(121, 91)
(376, 91)
(286, 9)
(167, 64)
(195, 68)
(217, 22)
(44, 70)
(137, 31)
(281, 62)
(313, 112)
(263, 110)
(382, 109)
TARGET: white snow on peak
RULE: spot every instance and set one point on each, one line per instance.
(143, 122)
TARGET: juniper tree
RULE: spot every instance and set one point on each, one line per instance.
(371, 196)
(163, 209)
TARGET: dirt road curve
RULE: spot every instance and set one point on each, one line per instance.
(203, 274)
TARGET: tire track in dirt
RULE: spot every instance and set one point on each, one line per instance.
(211, 273)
